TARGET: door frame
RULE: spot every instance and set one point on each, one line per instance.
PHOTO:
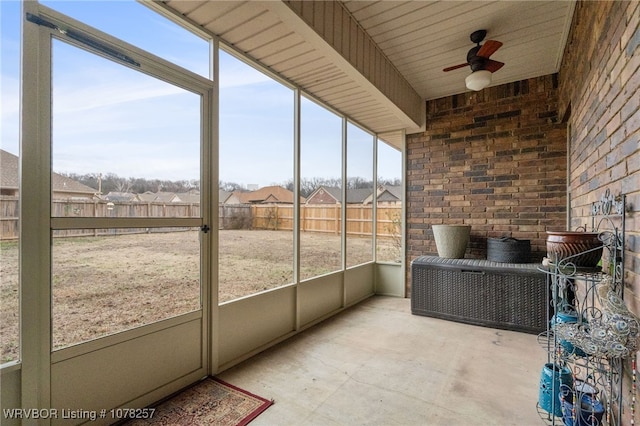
(36, 222)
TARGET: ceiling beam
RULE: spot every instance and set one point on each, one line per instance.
(329, 27)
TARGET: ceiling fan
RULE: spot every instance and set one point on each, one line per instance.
(478, 59)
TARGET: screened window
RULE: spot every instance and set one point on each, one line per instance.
(321, 185)
(389, 204)
(9, 187)
(119, 138)
(125, 18)
(124, 144)
(256, 175)
(359, 202)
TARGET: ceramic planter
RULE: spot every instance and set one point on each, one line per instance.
(451, 240)
(551, 379)
(583, 249)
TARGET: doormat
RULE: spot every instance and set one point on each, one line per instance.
(209, 402)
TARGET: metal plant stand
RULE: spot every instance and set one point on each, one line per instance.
(584, 334)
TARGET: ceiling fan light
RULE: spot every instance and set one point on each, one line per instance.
(478, 80)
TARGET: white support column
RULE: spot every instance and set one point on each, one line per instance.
(35, 213)
(212, 169)
(296, 200)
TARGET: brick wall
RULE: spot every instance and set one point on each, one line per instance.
(495, 160)
(600, 90)
(599, 83)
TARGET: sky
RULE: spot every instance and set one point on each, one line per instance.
(108, 118)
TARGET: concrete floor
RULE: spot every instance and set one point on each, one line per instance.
(376, 364)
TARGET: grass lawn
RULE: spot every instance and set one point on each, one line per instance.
(103, 285)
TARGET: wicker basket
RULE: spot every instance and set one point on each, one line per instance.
(508, 250)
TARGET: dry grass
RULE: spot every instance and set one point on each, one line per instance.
(102, 285)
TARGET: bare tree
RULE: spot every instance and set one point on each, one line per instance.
(231, 186)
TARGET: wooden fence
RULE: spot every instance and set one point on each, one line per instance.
(328, 219)
(9, 212)
(315, 218)
(9, 209)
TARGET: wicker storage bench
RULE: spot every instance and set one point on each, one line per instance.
(510, 296)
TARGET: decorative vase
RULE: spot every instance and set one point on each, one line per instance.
(451, 240)
(583, 249)
(552, 377)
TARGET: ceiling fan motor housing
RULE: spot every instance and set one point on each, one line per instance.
(476, 62)
(478, 57)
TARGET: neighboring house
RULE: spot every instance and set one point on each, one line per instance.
(166, 197)
(325, 195)
(120, 196)
(147, 197)
(237, 197)
(333, 195)
(390, 195)
(358, 196)
(191, 197)
(9, 182)
(267, 195)
(63, 188)
(226, 197)
(387, 195)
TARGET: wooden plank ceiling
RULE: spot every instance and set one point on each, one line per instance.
(378, 61)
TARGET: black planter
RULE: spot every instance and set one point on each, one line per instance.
(508, 250)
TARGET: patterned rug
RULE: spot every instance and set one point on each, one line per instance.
(210, 402)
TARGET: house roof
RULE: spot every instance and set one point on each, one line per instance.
(147, 196)
(354, 196)
(334, 191)
(166, 197)
(192, 196)
(9, 177)
(120, 196)
(223, 196)
(390, 193)
(243, 197)
(8, 170)
(267, 194)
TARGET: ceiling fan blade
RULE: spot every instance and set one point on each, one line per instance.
(455, 67)
(488, 48)
(492, 65)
